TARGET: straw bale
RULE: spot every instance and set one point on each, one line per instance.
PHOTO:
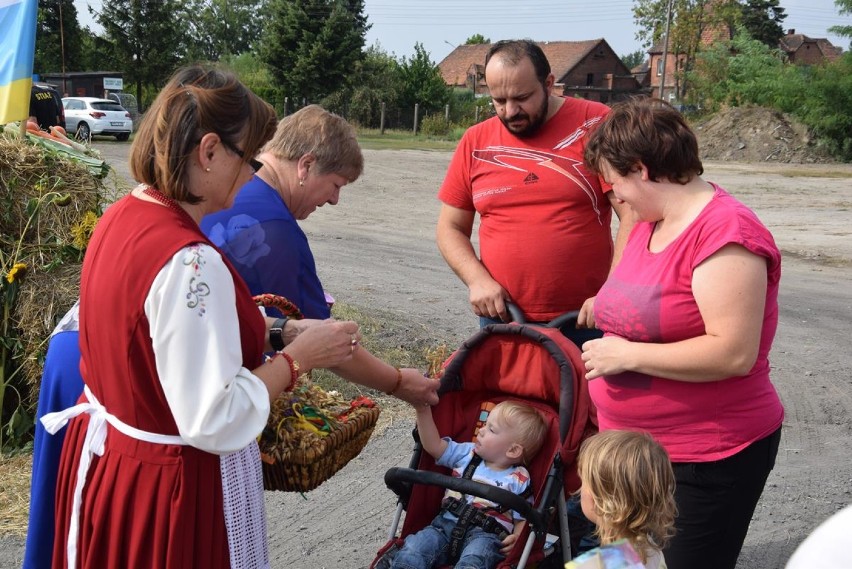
(14, 494)
(68, 199)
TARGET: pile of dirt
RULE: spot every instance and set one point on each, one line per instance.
(757, 134)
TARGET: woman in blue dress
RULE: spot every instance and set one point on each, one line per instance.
(61, 386)
(313, 154)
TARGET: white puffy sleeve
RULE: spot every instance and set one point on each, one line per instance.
(219, 406)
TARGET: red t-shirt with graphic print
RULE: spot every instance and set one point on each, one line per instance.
(544, 231)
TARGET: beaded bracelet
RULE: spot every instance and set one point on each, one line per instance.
(294, 368)
(398, 381)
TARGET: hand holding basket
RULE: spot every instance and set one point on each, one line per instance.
(311, 433)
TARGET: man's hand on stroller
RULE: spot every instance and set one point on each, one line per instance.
(488, 298)
(586, 318)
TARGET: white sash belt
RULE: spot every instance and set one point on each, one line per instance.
(94, 444)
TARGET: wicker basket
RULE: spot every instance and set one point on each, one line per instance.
(311, 433)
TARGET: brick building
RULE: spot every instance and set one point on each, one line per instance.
(802, 50)
(588, 69)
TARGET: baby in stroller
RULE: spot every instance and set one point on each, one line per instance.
(472, 530)
(533, 364)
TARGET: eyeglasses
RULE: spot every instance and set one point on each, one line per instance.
(253, 162)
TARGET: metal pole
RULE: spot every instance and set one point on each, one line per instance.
(666, 48)
(382, 121)
(416, 112)
(62, 46)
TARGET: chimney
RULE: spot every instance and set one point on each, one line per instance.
(791, 31)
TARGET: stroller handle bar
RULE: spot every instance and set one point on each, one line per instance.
(519, 317)
(397, 477)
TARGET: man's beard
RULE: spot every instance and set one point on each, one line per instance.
(533, 123)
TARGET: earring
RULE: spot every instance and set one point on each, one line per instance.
(207, 169)
(301, 182)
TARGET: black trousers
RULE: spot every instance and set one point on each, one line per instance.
(715, 502)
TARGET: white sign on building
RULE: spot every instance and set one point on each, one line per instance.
(113, 84)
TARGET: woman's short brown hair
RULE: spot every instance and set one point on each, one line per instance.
(322, 134)
(197, 100)
(649, 131)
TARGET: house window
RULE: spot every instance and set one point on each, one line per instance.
(590, 79)
(659, 67)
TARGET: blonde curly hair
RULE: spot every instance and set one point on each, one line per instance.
(630, 478)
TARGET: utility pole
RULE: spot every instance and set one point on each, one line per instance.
(666, 47)
(62, 47)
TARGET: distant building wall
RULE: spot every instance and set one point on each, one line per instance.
(80, 84)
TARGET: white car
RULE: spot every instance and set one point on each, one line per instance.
(85, 116)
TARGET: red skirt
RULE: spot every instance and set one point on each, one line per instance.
(145, 505)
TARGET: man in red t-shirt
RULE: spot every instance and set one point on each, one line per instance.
(545, 240)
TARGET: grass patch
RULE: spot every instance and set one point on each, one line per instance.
(372, 139)
(399, 344)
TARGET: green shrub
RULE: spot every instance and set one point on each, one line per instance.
(435, 125)
(747, 72)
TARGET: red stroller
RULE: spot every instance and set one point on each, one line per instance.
(532, 363)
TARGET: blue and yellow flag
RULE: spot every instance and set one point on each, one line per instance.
(17, 50)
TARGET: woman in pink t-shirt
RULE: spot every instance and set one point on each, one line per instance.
(689, 316)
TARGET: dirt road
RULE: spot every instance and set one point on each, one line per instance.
(376, 250)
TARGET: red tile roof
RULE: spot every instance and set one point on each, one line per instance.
(790, 43)
(562, 55)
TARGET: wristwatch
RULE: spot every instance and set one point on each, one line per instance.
(276, 334)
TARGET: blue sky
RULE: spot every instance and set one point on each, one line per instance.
(442, 24)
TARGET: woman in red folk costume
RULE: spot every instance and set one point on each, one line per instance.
(160, 466)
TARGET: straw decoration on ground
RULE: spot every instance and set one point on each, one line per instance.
(311, 433)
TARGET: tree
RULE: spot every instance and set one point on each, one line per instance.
(422, 82)
(476, 39)
(255, 75)
(743, 71)
(141, 40)
(763, 20)
(91, 45)
(58, 37)
(690, 19)
(312, 46)
(828, 110)
(843, 7)
(222, 27)
(631, 60)
(376, 80)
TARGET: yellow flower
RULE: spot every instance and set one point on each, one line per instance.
(18, 271)
(82, 231)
